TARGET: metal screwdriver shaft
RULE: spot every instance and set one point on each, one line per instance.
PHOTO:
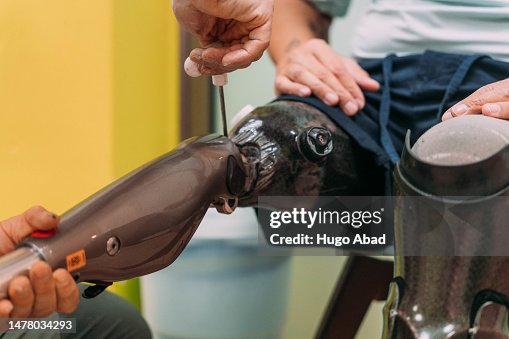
(191, 69)
(223, 111)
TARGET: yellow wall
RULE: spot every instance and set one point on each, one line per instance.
(55, 102)
(146, 73)
(88, 92)
(146, 90)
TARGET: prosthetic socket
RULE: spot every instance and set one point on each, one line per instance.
(455, 285)
(142, 222)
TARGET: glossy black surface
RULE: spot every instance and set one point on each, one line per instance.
(461, 294)
(270, 140)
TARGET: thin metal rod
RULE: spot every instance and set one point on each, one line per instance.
(223, 111)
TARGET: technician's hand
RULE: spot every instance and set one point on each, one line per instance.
(233, 33)
(44, 292)
(491, 100)
(314, 68)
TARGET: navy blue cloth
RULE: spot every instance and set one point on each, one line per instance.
(415, 91)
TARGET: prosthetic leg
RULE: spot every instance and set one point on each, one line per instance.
(455, 285)
(142, 222)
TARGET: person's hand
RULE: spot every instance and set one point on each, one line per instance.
(44, 291)
(232, 33)
(491, 100)
(313, 67)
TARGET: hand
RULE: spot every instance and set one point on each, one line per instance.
(314, 68)
(233, 33)
(491, 100)
(44, 291)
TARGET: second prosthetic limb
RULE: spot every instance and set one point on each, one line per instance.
(452, 261)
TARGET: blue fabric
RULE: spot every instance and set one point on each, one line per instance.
(385, 110)
(415, 91)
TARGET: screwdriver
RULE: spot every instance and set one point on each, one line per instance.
(220, 80)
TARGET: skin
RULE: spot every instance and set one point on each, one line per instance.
(43, 291)
(232, 33)
(491, 100)
(306, 64)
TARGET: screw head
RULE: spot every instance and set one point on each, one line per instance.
(112, 246)
(316, 142)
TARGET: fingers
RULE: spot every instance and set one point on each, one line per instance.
(40, 294)
(240, 44)
(251, 51)
(314, 67)
(361, 77)
(6, 308)
(21, 226)
(285, 85)
(5, 313)
(253, 46)
(498, 110)
(492, 93)
(22, 297)
(67, 291)
(347, 89)
(38, 218)
(324, 85)
(43, 285)
(219, 59)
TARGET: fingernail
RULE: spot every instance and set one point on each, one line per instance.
(7, 308)
(360, 103)
(303, 92)
(41, 274)
(196, 54)
(447, 115)
(460, 109)
(350, 108)
(19, 290)
(60, 281)
(331, 99)
(493, 108)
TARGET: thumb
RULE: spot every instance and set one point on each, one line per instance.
(36, 218)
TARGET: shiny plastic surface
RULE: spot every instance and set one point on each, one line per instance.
(440, 297)
(152, 213)
(141, 223)
(277, 164)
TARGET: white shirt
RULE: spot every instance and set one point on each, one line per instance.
(412, 26)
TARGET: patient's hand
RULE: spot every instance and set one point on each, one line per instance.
(44, 291)
(312, 67)
(491, 100)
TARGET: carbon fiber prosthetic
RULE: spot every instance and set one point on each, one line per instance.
(454, 285)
